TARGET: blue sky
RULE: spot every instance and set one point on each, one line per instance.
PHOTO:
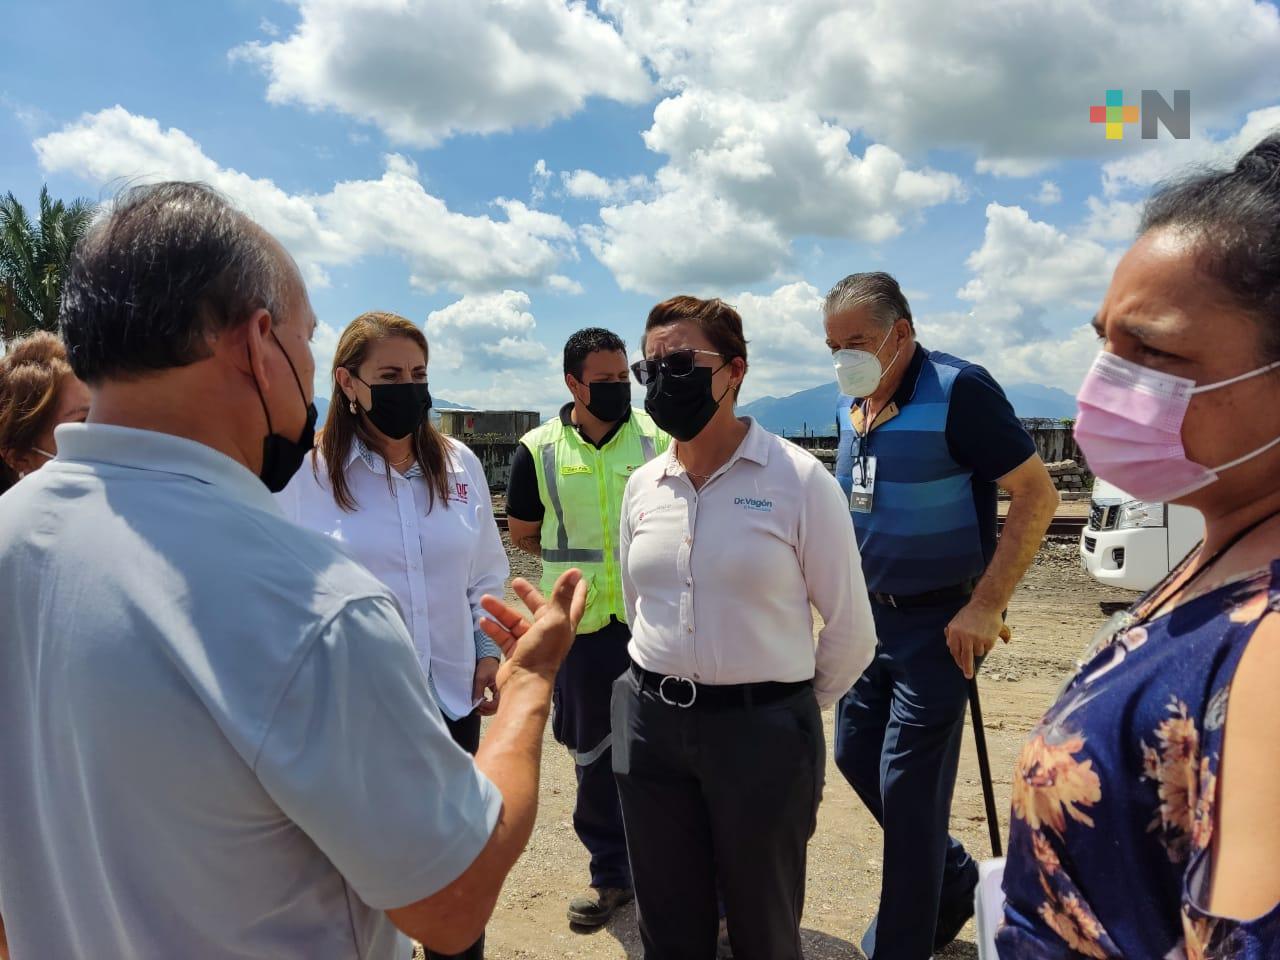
(507, 172)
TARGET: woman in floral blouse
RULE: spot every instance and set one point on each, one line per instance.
(1146, 806)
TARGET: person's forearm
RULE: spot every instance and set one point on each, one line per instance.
(1024, 528)
(525, 535)
(510, 756)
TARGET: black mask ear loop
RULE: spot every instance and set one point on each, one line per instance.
(726, 389)
(257, 386)
(292, 369)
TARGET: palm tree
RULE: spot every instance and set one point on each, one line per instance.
(34, 259)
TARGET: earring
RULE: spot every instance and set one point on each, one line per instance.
(351, 404)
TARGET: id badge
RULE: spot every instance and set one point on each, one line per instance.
(863, 491)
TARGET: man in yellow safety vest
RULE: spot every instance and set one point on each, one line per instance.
(563, 504)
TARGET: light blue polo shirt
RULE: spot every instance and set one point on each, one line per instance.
(216, 739)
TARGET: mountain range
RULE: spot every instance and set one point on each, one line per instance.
(814, 410)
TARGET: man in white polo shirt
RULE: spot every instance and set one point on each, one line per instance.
(218, 741)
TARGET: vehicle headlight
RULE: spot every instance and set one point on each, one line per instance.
(1139, 513)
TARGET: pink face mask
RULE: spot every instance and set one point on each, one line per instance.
(1130, 429)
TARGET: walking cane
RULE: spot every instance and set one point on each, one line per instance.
(984, 767)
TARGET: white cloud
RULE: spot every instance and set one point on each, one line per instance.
(1058, 359)
(562, 284)
(783, 163)
(1025, 266)
(1144, 170)
(486, 332)
(423, 71)
(391, 215)
(1050, 193)
(269, 28)
(686, 240)
(323, 346)
(1013, 86)
(486, 350)
(786, 345)
(1112, 221)
(586, 185)
(742, 180)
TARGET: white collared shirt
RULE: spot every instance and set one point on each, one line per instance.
(438, 560)
(718, 582)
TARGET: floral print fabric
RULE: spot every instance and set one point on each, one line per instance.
(1113, 796)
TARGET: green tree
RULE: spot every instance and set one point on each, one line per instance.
(34, 258)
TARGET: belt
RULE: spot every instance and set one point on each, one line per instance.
(685, 693)
(932, 598)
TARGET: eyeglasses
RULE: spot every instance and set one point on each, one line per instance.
(677, 363)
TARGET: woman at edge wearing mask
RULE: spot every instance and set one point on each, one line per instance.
(412, 506)
(719, 752)
(1145, 804)
(38, 392)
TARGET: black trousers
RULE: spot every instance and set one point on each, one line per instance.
(718, 793)
(466, 734)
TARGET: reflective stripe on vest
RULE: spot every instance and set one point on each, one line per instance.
(581, 487)
(563, 553)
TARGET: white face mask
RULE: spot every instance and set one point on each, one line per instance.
(859, 372)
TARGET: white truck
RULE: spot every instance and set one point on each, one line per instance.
(1131, 544)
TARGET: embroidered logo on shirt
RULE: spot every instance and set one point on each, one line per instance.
(751, 503)
(459, 492)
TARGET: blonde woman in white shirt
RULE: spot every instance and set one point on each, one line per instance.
(718, 744)
(412, 506)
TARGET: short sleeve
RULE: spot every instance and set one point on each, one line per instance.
(357, 755)
(524, 502)
(983, 432)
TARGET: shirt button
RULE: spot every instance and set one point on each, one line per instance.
(688, 539)
(688, 581)
(690, 629)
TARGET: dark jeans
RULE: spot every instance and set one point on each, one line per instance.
(466, 734)
(718, 794)
(580, 721)
(898, 744)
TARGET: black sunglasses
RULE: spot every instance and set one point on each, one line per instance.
(677, 363)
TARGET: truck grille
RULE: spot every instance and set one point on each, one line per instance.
(1103, 516)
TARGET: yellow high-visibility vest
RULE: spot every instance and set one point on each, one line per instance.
(581, 488)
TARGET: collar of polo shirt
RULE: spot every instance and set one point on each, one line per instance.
(754, 447)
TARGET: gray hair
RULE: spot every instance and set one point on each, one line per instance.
(877, 290)
(171, 264)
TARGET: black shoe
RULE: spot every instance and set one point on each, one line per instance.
(956, 911)
(594, 908)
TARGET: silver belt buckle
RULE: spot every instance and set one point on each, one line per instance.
(662, 692)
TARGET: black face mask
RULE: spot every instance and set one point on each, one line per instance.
(398, 408)
(683, 406)
(281, 457)
(609, 401)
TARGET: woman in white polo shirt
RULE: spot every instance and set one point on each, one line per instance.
(718, 741)
(411, 505)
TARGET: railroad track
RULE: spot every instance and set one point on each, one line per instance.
(1060, 527)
